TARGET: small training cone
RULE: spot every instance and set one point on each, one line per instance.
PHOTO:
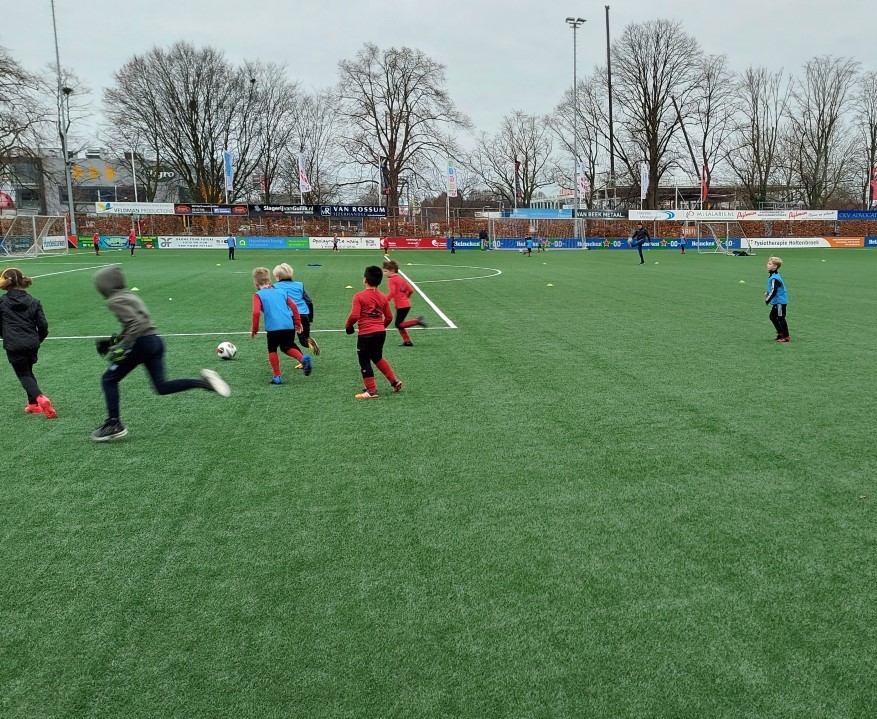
(218, 264)
(349, 287)
(549, 285)
(135, 289)
(742, 282)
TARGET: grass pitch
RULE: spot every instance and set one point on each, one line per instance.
(613, 497)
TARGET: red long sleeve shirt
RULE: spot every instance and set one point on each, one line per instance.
(400, 291)
(371, 311)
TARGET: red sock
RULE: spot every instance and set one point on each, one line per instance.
(295, 354)
(405, 335)
(386, 370)
(408, 323)
(370, 384)
(274, 360)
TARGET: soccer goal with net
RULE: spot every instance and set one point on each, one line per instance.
(721, 234)
(33, 235)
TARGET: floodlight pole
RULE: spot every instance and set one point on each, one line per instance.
(63, 95)
(575, 23)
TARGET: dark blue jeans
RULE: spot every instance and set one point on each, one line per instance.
(639, 248)
(149, 352)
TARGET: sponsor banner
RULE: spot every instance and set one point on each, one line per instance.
(797, 242)
(346, 243)
(350, 211)
(416, 243)
(552, 244)
(538, 213)
(55, 242)
(871, 242)
(601, 214)
(205, 209)
(735, 215)
(857, 215)
(281, 210)
(134, 208)
(184, 242)
(463, 243)
(273, 243)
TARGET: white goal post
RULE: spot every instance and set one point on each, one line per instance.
(34, 235)
(721, 233)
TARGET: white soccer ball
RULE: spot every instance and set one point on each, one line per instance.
(226, 350)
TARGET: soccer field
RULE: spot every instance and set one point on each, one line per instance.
(615, 496)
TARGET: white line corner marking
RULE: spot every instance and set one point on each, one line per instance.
(428, 301)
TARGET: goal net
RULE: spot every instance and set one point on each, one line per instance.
(33, 235)
(725, 236)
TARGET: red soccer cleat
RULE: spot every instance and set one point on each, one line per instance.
(397, 386)
(46, 405)
(33, 409)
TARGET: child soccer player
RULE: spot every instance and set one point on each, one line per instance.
(95, 239)
(335, 243)
(296, 292)
(777, 298)
(137, 343)
(232, 242)
(23, 328)
(282, 321)
(132, 241)
(371, 311)
(400, 294)
(682, 242)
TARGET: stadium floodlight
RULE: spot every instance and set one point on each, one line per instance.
(575, 23)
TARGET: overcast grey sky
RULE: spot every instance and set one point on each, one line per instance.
(500, 55)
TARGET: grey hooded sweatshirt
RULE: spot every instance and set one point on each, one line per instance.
(128, 308)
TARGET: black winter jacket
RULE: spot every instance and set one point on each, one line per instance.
(23, 324)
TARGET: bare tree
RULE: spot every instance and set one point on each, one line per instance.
(866, 121)
(653, 62)
(752, 156)
(525, 139)
(824, 137)
(316, 129)
(593, 126)
(713, 114)
(22, 117)
(398, 112)
(197, 105)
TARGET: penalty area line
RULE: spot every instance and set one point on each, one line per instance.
(80, 269)
(445, 318)
(236, 333)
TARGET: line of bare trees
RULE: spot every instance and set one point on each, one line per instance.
(390, 124)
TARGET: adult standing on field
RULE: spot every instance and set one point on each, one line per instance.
(232, 243)
(638, 239)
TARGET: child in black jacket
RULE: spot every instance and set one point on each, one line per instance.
(23, 328)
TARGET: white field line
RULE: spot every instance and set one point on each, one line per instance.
(428, 301)
(496, 273)
(81, 269)
(218, 334)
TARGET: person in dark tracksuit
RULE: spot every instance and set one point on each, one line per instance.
(638, 239)
(777, 297)
(23, 328)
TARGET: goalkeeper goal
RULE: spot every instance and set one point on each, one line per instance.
(721, 233)
(34, 235)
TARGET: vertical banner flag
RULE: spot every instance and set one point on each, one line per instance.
(583, 180)
(452, 179)
(874, 185)
(304, 184)
(704, 188)
(518, 193)
(385, 178)
(643, 180)
(228, 169)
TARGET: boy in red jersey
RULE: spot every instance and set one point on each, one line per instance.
(95, 239)
(132, 241)
(282, 321)
(371, 311)
(399, 294)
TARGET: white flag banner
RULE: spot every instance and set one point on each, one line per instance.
(584, 185)
(452, 179)
(304, 184)
(643, 180)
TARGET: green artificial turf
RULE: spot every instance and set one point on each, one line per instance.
(613, 497)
